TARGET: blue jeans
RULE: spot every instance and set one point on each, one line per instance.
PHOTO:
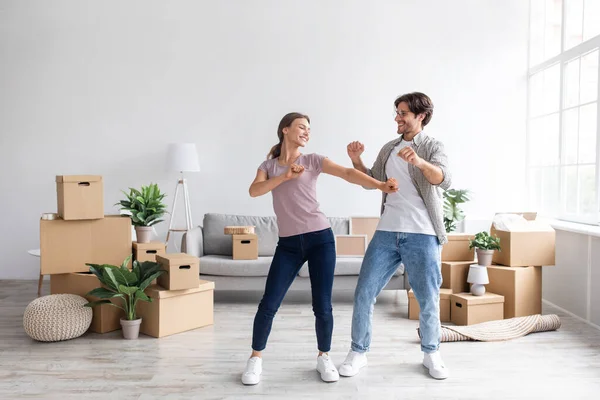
(421, 257)
(318, 248)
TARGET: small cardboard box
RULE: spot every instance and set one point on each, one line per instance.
(66, 246)
(364, 226)
(148, 251)
(457, 248)
(414, 309)
(350, 245)
(245, 247)
(454, 276)
(466, 309)
(175, 311)
(106, 318)
(532, 243)
(80, 196)
(183, 271)
(521, 288)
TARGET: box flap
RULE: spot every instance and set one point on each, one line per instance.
(154, 245)
(158, 292)
(176, 259)
(246, 236)
(487, 298)
(78, 178)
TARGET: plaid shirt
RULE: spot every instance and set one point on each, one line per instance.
(429, 150)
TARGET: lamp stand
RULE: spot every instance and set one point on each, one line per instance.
(181, 183)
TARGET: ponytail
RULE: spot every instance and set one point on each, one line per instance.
(275, 151)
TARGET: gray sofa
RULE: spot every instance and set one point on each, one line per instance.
(216, 264)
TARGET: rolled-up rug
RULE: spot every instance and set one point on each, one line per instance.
(504, 329)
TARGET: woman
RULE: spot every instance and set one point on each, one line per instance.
(304, 235)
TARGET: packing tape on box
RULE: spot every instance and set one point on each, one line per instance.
(50, 216)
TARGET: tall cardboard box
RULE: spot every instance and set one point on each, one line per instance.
(350, 245)
(80, 196)
(175, 311)
(148, 251)
(531, 243)
(183, 271)
(245, 247)
(106, 318)
(454, 275)
(466, 309)
(521, 288)
(457, 248)
(364, 226)
(414, 309)
(66, 246)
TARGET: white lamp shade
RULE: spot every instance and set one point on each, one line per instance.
(182, 157)
(478, 275)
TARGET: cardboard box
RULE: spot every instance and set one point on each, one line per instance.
(183, 271)
(148, 251)
(466, 309)
(521, 288)
(80, 196)
(245, 247)
(350, 245)
(414, 309)
(457, 248)
(175, 311)
(530, 244)
(106, 318)
(454, 276)
(66, 246)
(364, 226)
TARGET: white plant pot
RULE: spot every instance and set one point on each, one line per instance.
(484, 257)
(143, 234)
(131, 329)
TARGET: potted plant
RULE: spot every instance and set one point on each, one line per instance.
(484, 246)
(127, 285)
(452, 212)
(146, 208)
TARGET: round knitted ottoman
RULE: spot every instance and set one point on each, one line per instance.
(57, 317)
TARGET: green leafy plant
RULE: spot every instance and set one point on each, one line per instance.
(452, 211)
(145, 206)
(484, 241)
(127, 285)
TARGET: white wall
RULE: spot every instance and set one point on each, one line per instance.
(89, 87)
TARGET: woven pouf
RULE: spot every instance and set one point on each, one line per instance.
(57, 317)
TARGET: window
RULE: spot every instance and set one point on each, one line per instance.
(563, 145)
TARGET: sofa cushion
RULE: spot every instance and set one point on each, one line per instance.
(343, 266)
(226, 266)
(217, 243)
(347, 266)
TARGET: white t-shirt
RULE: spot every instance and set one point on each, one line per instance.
(404, 211)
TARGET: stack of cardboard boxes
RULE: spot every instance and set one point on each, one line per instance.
(80, 233)
(515, 279)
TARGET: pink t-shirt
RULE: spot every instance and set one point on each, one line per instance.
(295, 201)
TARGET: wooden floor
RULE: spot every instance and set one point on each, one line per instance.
(207, 363)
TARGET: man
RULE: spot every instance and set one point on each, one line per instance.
(410, 231)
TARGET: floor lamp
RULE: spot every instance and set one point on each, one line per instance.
(182, 157)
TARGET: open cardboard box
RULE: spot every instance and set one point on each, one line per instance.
(530, 243)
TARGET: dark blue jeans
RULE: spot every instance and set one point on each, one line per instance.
(318, 248)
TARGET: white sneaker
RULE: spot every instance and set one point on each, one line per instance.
(251, 375)
(434, 363)
(327, 369)
(353, 363)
